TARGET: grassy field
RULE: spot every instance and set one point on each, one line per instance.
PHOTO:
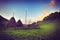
(21, 34)
(32, 32)
(45, 30)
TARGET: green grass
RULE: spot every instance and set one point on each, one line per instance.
(32, 32)
(45, 30)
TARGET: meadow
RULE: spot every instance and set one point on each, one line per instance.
(46, 30)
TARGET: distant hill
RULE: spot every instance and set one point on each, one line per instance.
(12, 22)
(3, 22)
(52, 17)
(19, 23)
(2, 19)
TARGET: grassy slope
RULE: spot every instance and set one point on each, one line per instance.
(47, 29)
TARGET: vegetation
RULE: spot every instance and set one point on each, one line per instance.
(21, 32)
(46, 29)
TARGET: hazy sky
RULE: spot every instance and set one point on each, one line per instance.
(35, 8)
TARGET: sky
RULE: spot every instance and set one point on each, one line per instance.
(36, 9)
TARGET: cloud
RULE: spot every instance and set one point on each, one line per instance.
(40, 18)
(45, 13)
(52, 3)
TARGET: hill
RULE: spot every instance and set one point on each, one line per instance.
(3, 22)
